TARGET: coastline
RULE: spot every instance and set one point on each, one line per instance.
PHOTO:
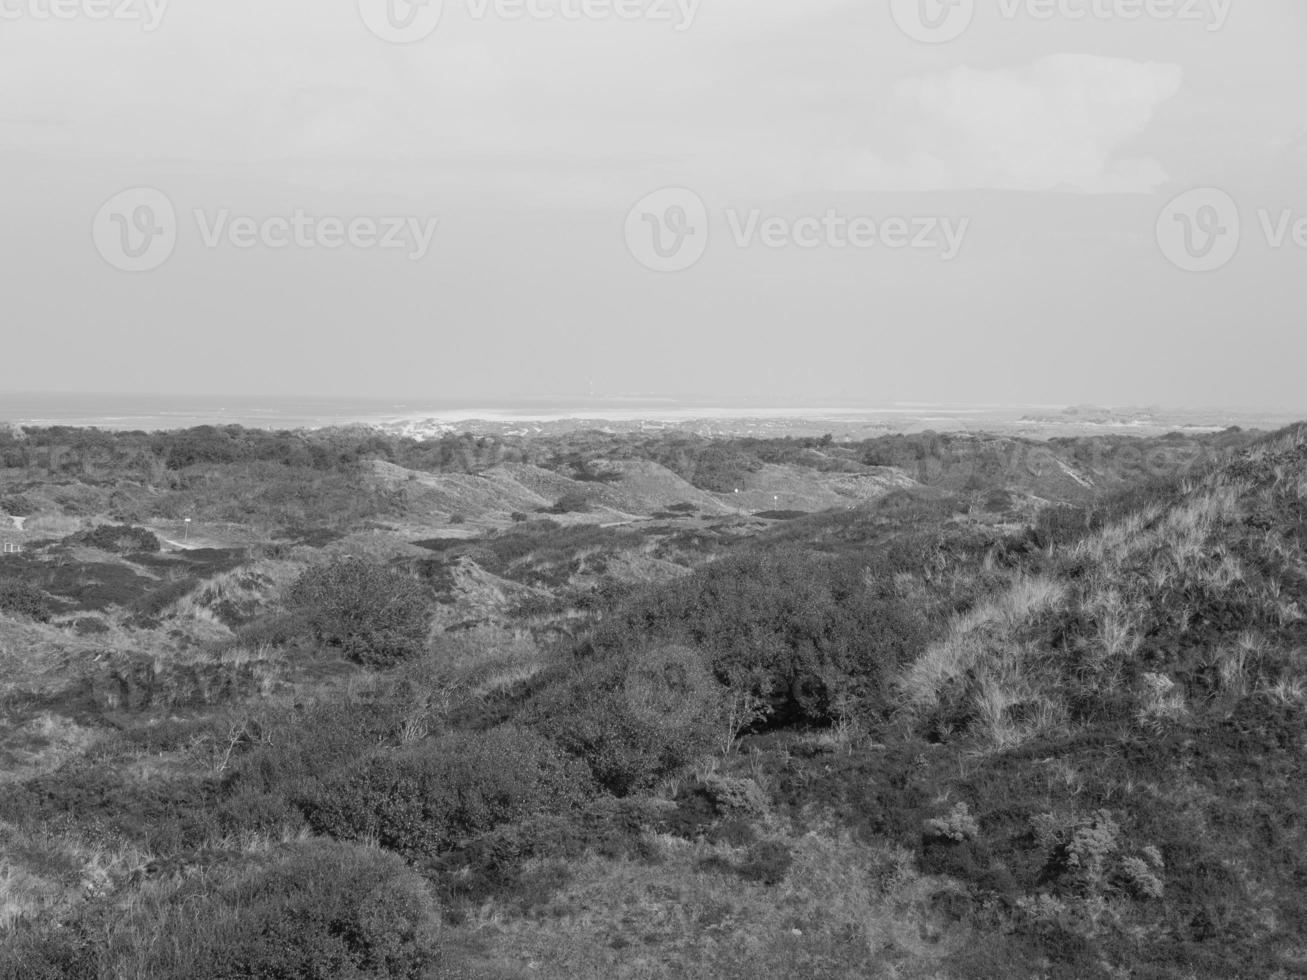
(433, 418)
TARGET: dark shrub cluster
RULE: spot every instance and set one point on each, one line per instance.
(524, 862)
(630, 726)
(570, 503)
(21, 598)
(90, 626)
(17, 505)
(375, 615)
(425, 799)
(313, 744)
(162, 814)
(806, 630)
(120, 539)
(318, 909)
(766, 862)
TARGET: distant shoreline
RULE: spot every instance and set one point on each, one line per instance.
(434, 417)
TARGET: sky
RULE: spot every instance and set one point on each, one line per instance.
(993, 201)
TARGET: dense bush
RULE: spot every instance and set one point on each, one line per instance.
(162, 814)
(570, 503)
(425, 799)
(767, 862)
(314, 743)
(373, 614)
(721, 468)
(90, 626)
(584, 471)
(312, 910)
(17, 505)
(804, 630)
(25, 599)
(331, 911)
(629, 725)
(120, 539)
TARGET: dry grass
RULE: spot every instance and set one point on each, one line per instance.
(1135, 563)
(53, 525)
(252, 588)
(40, 745)
(482, 660)
(985, 634)
(1014, 706)
(1239, 664)
(44, 875)
(1180, 534)
(845, 909)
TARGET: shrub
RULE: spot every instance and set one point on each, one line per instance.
(162, 814)
(729, 794)
(376, 616)
(570, 503)
(958, 825)
(277, 629)
(318, 909)
(807, 631)
(17, 505)
(585, 471)
(424, 800)
(90, 626)
(332, 910)
(721, 468)
(718, 807)
(313, 745)
(618, 715)
(24, 599)
(767, 862)
(153, 603)
(120, 539)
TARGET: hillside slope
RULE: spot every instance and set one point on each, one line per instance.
(1133, 713)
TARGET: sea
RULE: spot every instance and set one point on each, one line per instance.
(158, 412)
(424, 417)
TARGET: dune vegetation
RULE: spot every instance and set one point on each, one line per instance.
(335, 704)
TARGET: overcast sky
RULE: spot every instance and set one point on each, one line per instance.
(973, 218)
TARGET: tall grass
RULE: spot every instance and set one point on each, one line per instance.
(985, 634)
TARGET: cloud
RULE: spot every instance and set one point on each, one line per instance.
(1057, 124)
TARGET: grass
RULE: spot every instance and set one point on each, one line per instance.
(1019, 666)
(986, 634)
(234, 598)
(48, 873)
(844, 909)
